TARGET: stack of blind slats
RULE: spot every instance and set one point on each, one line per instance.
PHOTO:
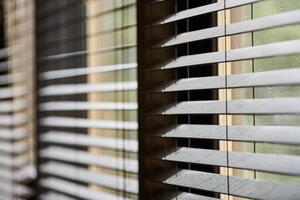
(16, 113)
(190, 168)
(88, 144)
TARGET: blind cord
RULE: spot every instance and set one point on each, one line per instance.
(226, 100)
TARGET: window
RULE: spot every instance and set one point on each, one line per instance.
(219, 99)
(280, 66)
(87, 87)
(17, 109)
(150, 99)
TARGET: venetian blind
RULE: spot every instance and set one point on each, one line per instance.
(16, 109)
(87, 90)
(219, 99)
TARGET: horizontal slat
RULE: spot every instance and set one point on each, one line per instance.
(66, 73)
(83, 140)
(152, 2)
(4, 66)
(13, 92)
(16, 62)
(56, 196)
(15, 161)
(5, 79)
(259, 51)
(81, 53)
(221, 5)
(16, 189)
(74, 106)
(245, 106)
(72, 188)
(84, 175)
(13, 120)
(68, 89)
(8, 134)
(243, 160)
(7, 195)
(4, 52)
(11, 78)
(190, 196)
(23, 174)
(287, 18)
(249, 188)
(83, 157)
(257, 79)
(13, 147)
(13, 106)
(271, 134)
(87, 123)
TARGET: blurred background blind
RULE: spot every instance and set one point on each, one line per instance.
(17, 113)
(87, 99)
